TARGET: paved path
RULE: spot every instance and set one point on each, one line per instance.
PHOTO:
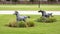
(30, 12)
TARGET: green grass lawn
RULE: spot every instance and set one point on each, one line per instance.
(40, 28)
(48, 7)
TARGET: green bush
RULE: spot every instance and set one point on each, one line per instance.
(47, 20)
(41, 19)
(30, 23)
(21, 24)
(12, 24)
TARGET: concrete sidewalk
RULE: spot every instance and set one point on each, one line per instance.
(29, 12)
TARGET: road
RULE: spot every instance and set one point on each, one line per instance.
(28, 12)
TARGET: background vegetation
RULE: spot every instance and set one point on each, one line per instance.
(49, 7)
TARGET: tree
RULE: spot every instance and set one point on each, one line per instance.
(51, 0)
(32, 1)
(14, 0)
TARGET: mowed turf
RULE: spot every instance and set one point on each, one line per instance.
(51, 7)
(40, 28)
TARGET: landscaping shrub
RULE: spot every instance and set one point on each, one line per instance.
(12, 24)
(30, 23)
(41, 19)
(47, 20)
(22, 24)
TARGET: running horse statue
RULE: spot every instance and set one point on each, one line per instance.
(19, 17)
(44, 14)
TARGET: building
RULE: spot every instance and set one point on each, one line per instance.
(28, 1)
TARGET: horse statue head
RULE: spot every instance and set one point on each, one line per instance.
(16, 13)
(41, 11)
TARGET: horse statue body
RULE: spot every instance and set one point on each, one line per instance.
(19, 17)
(44, 14)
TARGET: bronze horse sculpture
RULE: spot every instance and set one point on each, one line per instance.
(19, 17)
(44, 14)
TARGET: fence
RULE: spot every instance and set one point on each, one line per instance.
(27, 2)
